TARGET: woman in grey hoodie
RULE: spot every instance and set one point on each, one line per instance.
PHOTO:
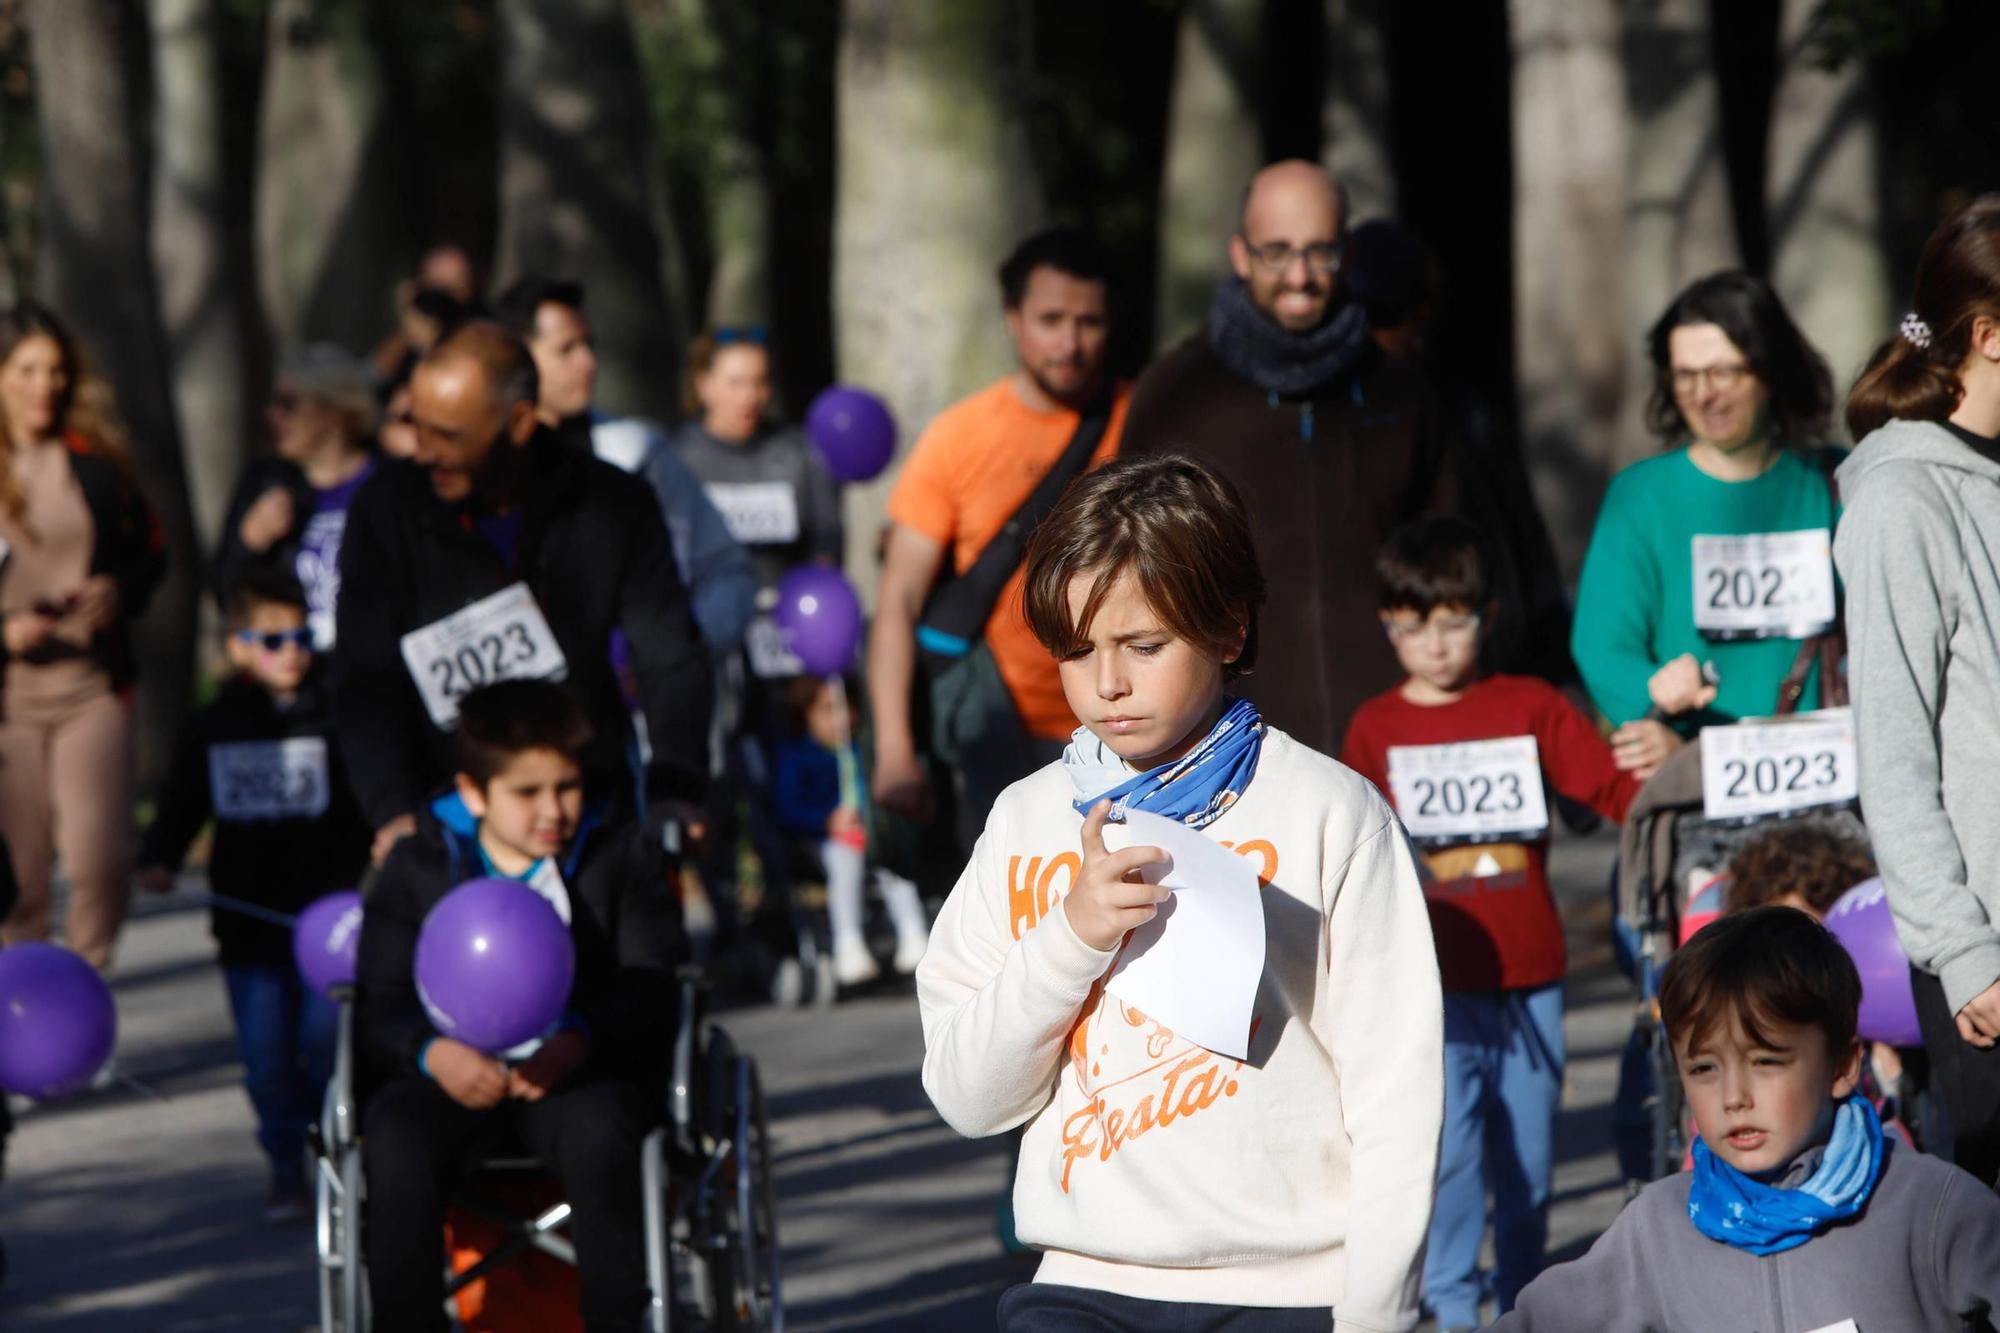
(1919, 552)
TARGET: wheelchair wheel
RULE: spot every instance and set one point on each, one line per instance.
(760, 1289)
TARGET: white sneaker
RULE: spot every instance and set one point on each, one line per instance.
(853, 964)
(910, 952)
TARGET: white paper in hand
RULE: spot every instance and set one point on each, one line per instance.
(1195, 966)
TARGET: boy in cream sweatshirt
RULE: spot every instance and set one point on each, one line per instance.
(1169, 1185)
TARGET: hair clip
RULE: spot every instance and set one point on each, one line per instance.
(1918, 332)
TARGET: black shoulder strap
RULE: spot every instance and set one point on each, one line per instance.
(957, 611)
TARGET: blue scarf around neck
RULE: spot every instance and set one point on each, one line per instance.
(1744, 1212)
(1194, 789)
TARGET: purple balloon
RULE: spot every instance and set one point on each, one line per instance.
(57, 1022)
(326, 938)
(820, 617)
(854, 432)
(1861, 922)
(494, 964)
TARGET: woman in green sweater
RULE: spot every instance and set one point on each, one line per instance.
(1717, 553)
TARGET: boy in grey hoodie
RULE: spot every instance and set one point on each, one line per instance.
(1799, 1213)
(1919, 552)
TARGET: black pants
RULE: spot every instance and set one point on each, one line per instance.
(1965, 1077)
(416, 1145)
(1048, 1307)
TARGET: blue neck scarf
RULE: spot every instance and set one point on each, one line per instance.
(1726, 1205)
(1194, 789)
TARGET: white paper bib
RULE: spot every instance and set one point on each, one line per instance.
(1470, 791)
(1765, 585)
(283, 779)
(501, 637)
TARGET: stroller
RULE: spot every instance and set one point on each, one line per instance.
(1676, 845)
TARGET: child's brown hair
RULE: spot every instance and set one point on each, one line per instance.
(1177, 527)
(1769, 964)
(511, 717)
(1815, 863)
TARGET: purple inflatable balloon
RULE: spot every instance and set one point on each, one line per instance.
(57, 1022)
(854, 431)
(494, 964)
(820, 617)
(326, 939)
(1861, 922)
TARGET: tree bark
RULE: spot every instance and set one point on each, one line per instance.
(1354, 107)
(1213, 145)
(580, 191)
(330, 242)
(201, 304)
(1824, 203)
(1571, 148)
(935, 186)
(1677, 219)
(96, 270)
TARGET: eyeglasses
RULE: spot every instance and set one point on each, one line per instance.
(1448, 627)
(1723, 377)
(747, 333)
(1277, 256)
(272, 641)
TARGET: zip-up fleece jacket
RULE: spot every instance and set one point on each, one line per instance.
(1924, 1254)
(1919, 551)
(1299, 1177)
(594, 552)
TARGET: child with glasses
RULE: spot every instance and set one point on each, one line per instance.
(1465, 758)
(260, 764)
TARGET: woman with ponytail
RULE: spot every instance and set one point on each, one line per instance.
(1919, 552)
(79, 556)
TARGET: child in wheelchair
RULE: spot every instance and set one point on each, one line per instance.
(585, 1097)
(820, 801)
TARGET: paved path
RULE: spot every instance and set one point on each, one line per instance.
(129, 1214)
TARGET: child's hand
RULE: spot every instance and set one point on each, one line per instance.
(1109, 899)
(155, 879)
(844, 821)
(470, 1078)
(1679, 687)
(553, 1062)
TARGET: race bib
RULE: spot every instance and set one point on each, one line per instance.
(757, 513)
(1755, 769)
(770, 657)
(501, 637)
(1766, 585)
(284, 779)
(1469, 791)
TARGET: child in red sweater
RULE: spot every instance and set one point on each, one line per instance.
(1465, 757)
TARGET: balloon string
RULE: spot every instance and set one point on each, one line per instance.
(243, 908)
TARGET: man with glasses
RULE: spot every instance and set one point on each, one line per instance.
(500, 553)
(1330, 443)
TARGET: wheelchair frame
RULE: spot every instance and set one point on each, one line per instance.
(709, 1203)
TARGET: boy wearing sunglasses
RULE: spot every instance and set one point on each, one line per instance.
(260, 764)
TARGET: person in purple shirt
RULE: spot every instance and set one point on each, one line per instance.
(290, 509)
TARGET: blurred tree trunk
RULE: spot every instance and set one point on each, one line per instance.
(201, 305)
(581, 196)
(1824, 202)
(90, 60)
(1677, 219)
(1213, 144)
(330, 242)
(1354, 107)
(935, 186)
(1570, 153)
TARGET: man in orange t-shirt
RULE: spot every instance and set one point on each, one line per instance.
(967, 475)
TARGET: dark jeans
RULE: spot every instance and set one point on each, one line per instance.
(416, 1145)
(1966, 1078)
(1047, 1307)
(285, 1034)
